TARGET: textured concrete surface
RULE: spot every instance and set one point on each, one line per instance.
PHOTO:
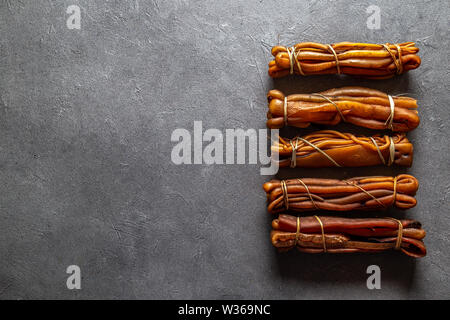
(86, 177)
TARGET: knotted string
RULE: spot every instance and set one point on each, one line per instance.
(336, 58)
(294, 153)
(290, 52)
(323, 234)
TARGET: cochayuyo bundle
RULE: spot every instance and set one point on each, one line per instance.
(374, 61)
(362, 193)
(362, 107)
(329, 148)
(357, 105)
(346, 235)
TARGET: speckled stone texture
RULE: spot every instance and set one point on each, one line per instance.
(86, 178)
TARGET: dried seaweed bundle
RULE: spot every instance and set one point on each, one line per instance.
(329, 148)
(360, 193)
(343, 235)
(374, 61)
(357, 105)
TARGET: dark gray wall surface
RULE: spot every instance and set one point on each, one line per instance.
(86, 176)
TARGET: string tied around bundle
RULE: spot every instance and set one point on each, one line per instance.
(391, 151)
(397, 61)
(293, 57)
(323, 234)
(294, 154)
(336, 58)
(398, 243)
(285, 115)
(333, 103)
(284, 189)
(285, 194)
(309, 193)
(366, 192)
(390, 120)
(394, 195)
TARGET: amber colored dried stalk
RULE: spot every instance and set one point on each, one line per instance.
(374, 61)
(329, 148)
(357, 105)
(344, 235)
(359, 193)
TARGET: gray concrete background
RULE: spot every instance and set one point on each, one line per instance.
(86, 177)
